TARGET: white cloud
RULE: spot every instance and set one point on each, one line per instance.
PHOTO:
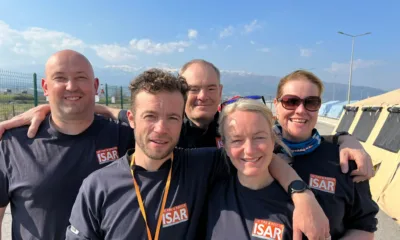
(203, 46)
(357, 64)
(124, 68)
(36, 42)
(254, 25)
(192, 34)
(252, 42)
(264, 50)
(304, 52)
(226, 32)
(150, 47)
(319, 42)
(113, 52)
(227, 47)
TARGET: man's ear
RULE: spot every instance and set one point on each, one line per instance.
(44, 87)
(131, 118)
(96, 84)
(220, 90)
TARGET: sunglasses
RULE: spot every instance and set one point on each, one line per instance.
(236, 98)
(291, 102)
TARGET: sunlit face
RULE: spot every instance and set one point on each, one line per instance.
(70, 86)
(297, 125)
(157, 123)
(205, 92)
(248, 142)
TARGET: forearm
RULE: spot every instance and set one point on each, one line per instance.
(107, 112)
(2, 211)
(354, 234)
(282, 172)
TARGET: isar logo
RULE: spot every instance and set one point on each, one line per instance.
(175, 215)
(325, 184)
(265, 229)
(106, 155)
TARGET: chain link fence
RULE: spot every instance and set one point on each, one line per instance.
(21, 91)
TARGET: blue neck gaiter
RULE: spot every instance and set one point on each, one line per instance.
(299, 148)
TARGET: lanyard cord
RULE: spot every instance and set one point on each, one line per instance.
(140, 200)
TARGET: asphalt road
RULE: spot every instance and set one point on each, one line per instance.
(387, 228)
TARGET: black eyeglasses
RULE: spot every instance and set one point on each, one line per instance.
(291, 102)
(236, 98)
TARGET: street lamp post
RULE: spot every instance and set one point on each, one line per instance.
(351, 61)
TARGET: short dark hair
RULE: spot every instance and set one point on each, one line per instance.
(156, 80)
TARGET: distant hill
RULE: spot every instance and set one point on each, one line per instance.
(235, 83)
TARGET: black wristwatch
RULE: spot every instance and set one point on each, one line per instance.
(335, 139)
(297, 186)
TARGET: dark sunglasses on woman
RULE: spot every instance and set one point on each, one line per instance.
(291, 102)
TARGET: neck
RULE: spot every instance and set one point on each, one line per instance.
(256, 182)
(146, 162)
(71, 126)
(294, 139)
(201, 123)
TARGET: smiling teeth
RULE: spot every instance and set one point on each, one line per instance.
(299, 120)
(72, 98)
(251, 160)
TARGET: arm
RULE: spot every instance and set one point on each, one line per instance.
(351, 149)
(84, 224)
(107, 112)
(308, 216)
(2, 211)
(357, 235)
(360, 218)
(33, 117)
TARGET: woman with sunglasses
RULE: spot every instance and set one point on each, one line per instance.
(348, 205)
(251, 204)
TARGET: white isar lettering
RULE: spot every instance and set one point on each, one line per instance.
(183, 213)
(115, 154)
(331, 186)
(167, 218)
(323, 185)
(268, 232)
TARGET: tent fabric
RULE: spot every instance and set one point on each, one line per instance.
(325, 107)
(337, 109)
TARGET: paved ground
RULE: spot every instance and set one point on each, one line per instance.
(387, 228)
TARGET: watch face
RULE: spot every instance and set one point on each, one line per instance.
(298, 185)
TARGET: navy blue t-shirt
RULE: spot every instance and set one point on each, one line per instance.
(40, 177)
(237, 212)
(347, 205)
(107, 205)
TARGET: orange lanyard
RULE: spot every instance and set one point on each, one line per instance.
(141, 206)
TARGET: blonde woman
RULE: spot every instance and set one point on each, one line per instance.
(251, 204)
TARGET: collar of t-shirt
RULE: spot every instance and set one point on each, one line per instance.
(266, 193)
(92, 129)
(128, 157)
(192, 128)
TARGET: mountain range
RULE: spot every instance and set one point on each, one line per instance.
(245, 83)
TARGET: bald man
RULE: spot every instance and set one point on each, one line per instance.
(41, 177)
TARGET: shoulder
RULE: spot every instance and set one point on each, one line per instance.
(101, 177)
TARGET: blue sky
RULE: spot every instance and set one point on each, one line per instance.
(262, 37)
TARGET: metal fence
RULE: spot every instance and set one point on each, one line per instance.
(21, 91)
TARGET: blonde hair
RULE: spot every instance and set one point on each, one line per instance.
(249, 105)
(297, 75)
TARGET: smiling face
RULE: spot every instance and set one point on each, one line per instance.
(157, 121)
(249, 142)
(297, 124)
(70, 85)
(204, 95)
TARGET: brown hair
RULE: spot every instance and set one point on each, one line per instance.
(201, 61)
(297, 75)
(156, 80)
